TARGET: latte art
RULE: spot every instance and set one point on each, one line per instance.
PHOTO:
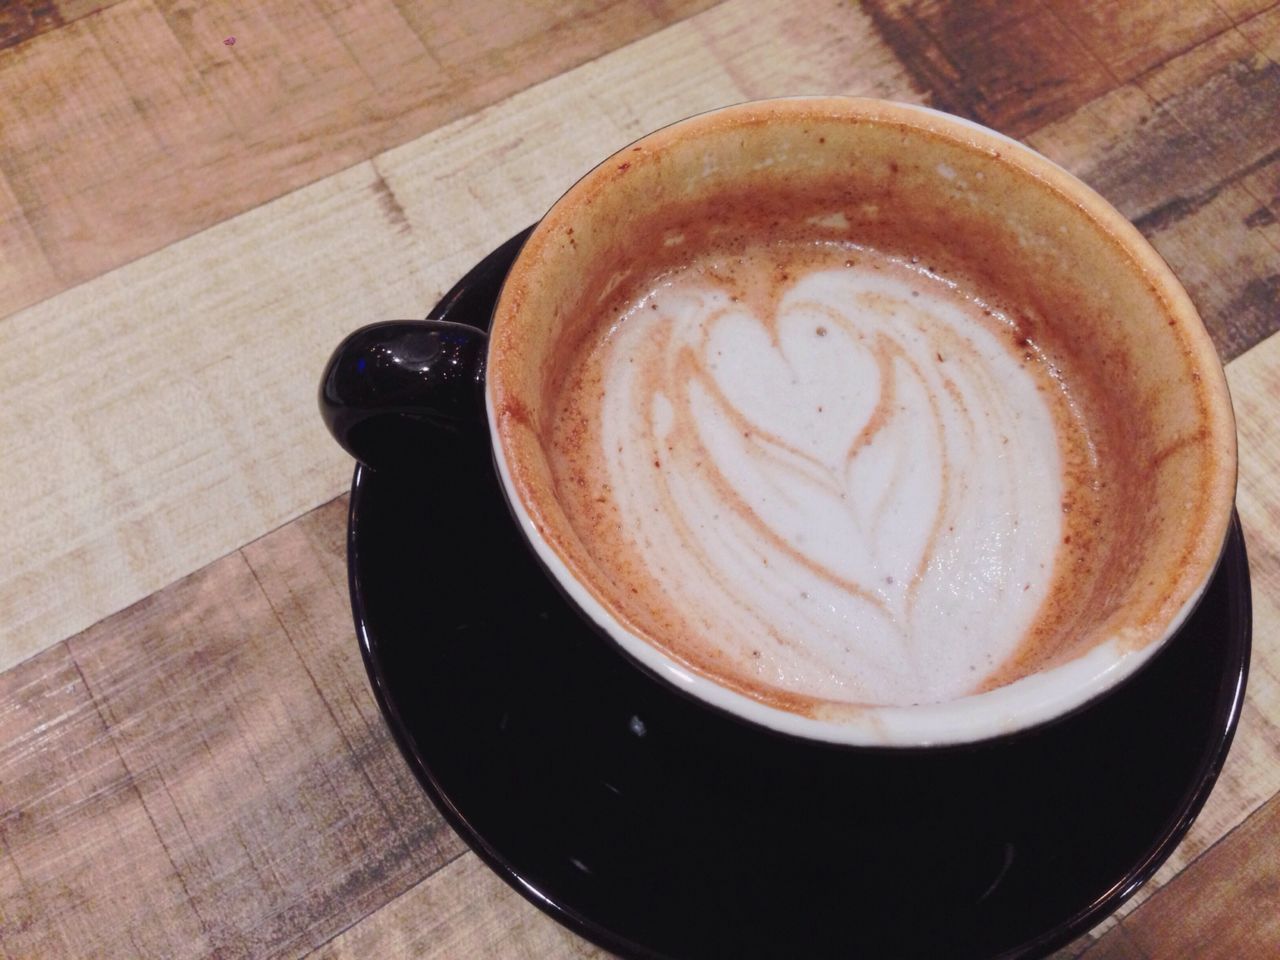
(841, 482)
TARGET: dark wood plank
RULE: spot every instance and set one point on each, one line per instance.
(1010, 66)
(206, 773)
(20, 20)
(1225, 906)
(1129, 38)
(23, 19)
(1017, 66)
(1227, 254)
(146, 91)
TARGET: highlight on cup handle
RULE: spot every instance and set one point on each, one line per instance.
(393, 391)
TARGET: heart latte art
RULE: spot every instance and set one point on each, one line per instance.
(828, 476)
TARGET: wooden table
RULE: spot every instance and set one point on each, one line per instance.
(197, 199)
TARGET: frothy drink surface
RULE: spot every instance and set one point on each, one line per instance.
(820, 473)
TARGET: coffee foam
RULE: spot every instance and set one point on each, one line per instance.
(824, 474)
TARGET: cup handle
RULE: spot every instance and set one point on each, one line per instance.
(393, 390)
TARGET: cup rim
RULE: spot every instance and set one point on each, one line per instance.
(1025, 703)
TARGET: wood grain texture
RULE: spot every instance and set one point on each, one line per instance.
(147, 92)
(193, 427)
(1019, 66)
(23, 19)
(1130, 38)
(206, 773)
(1010, 66)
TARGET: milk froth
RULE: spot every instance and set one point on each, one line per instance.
(828, 474)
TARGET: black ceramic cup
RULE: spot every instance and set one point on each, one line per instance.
(400, 393)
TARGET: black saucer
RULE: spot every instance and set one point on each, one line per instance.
(657, 829)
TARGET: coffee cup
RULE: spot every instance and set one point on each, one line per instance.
(853, 419)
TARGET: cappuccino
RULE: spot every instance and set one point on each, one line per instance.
(823, 473)
(860, 421)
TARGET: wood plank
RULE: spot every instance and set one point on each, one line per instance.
(463, 912)
(68, 805)
(309, 88)
(193, 426)
(1129, 38)
(1261, 32)
(206, 773)
(71, 10)
(1014, 67)
(1223, 907)
(25, 272)
(1073, 950)
(23, 19)
(1234, 278)
(20, 20)
(1156, 145)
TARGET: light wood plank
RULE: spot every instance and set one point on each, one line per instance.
(192, 425)
(147, 91)
(193, 428)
